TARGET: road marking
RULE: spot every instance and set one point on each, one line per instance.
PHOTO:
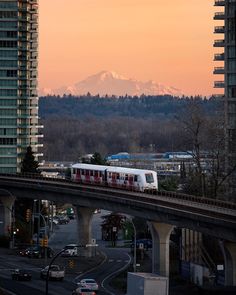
(110, 260)
(92, 269)
(115, 272)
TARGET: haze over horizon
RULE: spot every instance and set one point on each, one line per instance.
(143, 39)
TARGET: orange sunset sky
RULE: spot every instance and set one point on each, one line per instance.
(166, 41)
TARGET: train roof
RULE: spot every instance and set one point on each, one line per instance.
(90, 166)
(111, 168)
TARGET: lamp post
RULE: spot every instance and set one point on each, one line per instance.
(135, 247)
(49, 266)
(38, 215)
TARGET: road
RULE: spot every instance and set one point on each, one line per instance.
(115, 259)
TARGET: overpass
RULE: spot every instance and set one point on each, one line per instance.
(163, 210)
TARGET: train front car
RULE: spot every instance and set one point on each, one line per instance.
(149, 182)
(132, 179)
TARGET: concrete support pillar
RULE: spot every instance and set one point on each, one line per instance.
(84, 217)
(6, 214)
(160, 247)
(229, 253)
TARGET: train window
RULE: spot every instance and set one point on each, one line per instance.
(126, 176)
(149, 178)
(96, 173)
(74, 171)
(87, 172)
(109, 174)
(91, 173)
(117, 176)
(136, 178)
(82, 172)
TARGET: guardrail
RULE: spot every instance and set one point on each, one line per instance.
(169, 194)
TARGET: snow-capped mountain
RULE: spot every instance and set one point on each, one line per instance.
(111, 83)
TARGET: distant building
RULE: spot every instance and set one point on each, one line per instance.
(19, 125)
(165, 164)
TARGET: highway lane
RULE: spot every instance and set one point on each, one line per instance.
(115, 260)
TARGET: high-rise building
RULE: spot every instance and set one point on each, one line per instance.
(227, 15)
(19, 121)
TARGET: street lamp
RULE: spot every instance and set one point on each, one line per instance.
(135, 254)
(49, 266)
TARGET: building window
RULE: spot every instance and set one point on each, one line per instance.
(7, 141)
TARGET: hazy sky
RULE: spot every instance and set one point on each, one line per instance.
(166, 41)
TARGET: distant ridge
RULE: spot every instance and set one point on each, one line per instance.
(111, 83)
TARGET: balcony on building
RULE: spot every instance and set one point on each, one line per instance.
(219, 43)
(219, 84)
(219, 16)
(219, 2)
(219, 30)
(219, 57)
(219, 70)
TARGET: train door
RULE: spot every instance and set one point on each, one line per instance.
(131, 181)
(104, 178)
(78, 175)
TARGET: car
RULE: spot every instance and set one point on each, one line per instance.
(83, 291)
(37, 252)
(21, 275)
(63, 219)
(70, 250)
(55, 273)
(90, 284)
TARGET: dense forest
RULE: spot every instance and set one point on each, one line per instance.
(137, 107)
(74, 126)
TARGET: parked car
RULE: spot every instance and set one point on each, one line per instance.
(37, 252)
(90, 284)
(63, 219)
(83, 291)
(21, 275)
(55, 272)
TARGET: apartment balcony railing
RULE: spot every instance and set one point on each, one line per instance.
(219, 57)
(219, 84)
(219, 43)
(219, 2)
(219, 16)
(219, 70)
(219, 30)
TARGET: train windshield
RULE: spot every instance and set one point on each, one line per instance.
(149, 178)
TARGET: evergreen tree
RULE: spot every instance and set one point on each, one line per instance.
(97, 159)
(29, 164)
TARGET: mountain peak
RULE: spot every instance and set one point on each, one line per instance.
(103, 75)
(112, 83)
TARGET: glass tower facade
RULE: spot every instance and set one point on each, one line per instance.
(19, 121)
(227, 16)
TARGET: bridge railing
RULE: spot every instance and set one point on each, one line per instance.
(167, 194)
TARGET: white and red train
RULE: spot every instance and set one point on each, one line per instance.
(120, 177)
